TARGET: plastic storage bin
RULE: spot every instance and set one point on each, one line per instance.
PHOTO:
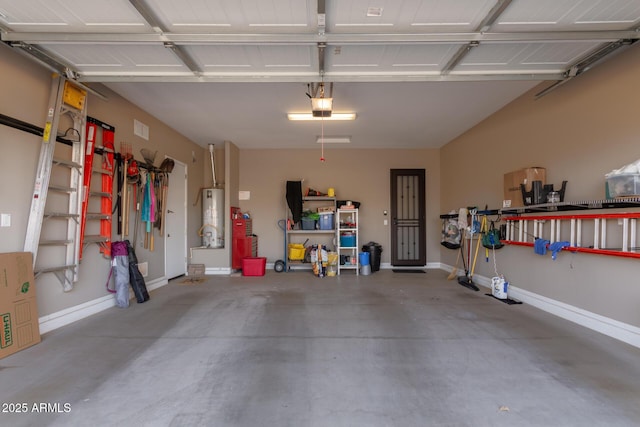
(623, 185)
(308, 224)
(253, 266)
(348, 240)
(296, 251)
(326, 221)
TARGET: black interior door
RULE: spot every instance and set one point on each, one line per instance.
(408, 217)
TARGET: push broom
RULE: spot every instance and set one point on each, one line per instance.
(467, 280)
(454, 271)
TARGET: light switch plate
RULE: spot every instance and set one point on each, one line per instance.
(5, 220)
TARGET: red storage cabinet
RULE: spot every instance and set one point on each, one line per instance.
(243, 247)
(244, 243)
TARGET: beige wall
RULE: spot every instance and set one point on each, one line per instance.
(579, 132)
(24, 94)
(360, 175)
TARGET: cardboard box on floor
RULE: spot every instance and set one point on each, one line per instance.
(512, 181)
(18, 306)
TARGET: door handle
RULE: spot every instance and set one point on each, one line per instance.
(170, 211)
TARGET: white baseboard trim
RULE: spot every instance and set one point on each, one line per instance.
(157, 283)
(218, 271)
(621, 331)
(72, 314)
(615, 329)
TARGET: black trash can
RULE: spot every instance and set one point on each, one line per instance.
(375, 251)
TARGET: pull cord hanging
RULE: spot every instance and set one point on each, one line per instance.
(322, 138)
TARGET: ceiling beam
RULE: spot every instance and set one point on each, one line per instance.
(486, 23)
(313, 77)
(322, 23)
(584, 65)
(150, 17)
(147, 14)
(493, 14)
(314, 39)
(457, 57)
(55, 65)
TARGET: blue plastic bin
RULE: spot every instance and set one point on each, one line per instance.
(348, 240)
(326, 221)
(364, 258)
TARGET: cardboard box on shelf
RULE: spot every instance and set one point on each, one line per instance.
(18, 306)
(512, 181)
(323, 209)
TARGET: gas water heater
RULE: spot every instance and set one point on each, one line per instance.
(212, 230)
(213, 218)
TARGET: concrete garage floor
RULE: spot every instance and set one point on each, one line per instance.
(290, 349)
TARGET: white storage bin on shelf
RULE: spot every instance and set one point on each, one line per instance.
(623, 185)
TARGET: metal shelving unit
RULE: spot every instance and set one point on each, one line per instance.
(289, 234)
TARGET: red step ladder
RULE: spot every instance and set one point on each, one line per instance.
(103, 239)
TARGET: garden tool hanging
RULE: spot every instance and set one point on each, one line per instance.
(166, 167)
(149, 210)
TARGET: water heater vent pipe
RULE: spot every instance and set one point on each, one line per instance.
(213, 167)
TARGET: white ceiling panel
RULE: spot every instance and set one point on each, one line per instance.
(224, 56)
(287, 56)
(569, 15)
(427, 57)
(524, 57)
(357, 57)
(457, 15)
(237, 15)
(560, 55)
(263, 59)
(391, 59)
(72, 16)
(407, 15)
(131, 59)
(615, 13)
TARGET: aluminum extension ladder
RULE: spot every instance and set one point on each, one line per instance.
(54, 222)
